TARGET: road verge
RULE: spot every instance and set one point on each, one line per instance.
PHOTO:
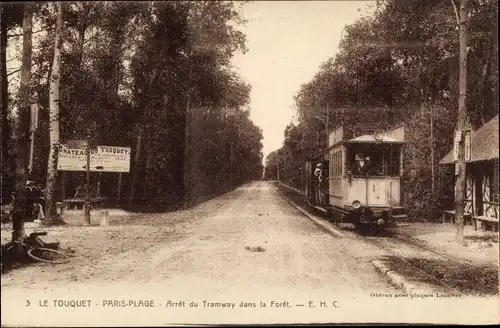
(320, 223)
(396, 279)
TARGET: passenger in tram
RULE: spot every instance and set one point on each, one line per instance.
(362, 165)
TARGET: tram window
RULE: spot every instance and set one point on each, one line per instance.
(332, 168)
(373, 160)
(332, 165)
(336, 164)
(339, 163)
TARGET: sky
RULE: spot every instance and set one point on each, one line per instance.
(287, 43)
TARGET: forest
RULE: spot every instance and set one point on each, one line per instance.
(399, 66)
(153, 76)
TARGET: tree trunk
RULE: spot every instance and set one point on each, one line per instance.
(18, 232)
(480, 111)
(7, 158)
(148, 183)
(137, 158)
(87, 7)
(55, 79)
(494, 66)
(433, 173)
(187, 144)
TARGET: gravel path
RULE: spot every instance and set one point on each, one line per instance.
(207, 246)
(247, 247)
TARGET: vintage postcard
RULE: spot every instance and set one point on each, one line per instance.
(170, 163)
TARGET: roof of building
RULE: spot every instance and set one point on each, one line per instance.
(484, 143)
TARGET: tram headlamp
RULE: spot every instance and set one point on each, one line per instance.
(356, 204)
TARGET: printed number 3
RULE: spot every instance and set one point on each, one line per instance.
(28, 303)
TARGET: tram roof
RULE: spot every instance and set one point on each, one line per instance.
(363, 139)
(367, 138)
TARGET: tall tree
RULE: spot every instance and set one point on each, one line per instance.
(23, 124)
(54, 97)
(11, 15)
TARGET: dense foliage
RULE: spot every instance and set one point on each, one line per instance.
(146, 75)
(400, 65)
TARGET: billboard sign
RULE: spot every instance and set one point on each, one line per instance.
(102, 159)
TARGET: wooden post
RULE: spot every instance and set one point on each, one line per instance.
(119, 190)
(462, 115)
(86, 207)
(63, 184)
(99, 184)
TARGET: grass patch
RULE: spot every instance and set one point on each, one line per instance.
(468, 279)
(489, 237)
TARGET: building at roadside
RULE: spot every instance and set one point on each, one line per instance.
(482, 191)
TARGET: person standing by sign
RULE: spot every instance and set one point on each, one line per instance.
(38, 199)
(33, 201)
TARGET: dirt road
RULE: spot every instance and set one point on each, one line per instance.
(247, 246)
(209, 246)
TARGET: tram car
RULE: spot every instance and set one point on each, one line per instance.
(359, 179)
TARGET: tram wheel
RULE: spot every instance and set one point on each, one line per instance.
(358, 226)
(335, 217)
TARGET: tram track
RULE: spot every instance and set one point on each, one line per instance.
(416, 244)
(383, 243)
(457, 275)
(400, 247)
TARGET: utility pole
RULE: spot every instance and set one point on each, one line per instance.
(462, 115)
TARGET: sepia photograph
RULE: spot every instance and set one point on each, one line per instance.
(208, 163)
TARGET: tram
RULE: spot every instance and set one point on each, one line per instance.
(359, 179)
